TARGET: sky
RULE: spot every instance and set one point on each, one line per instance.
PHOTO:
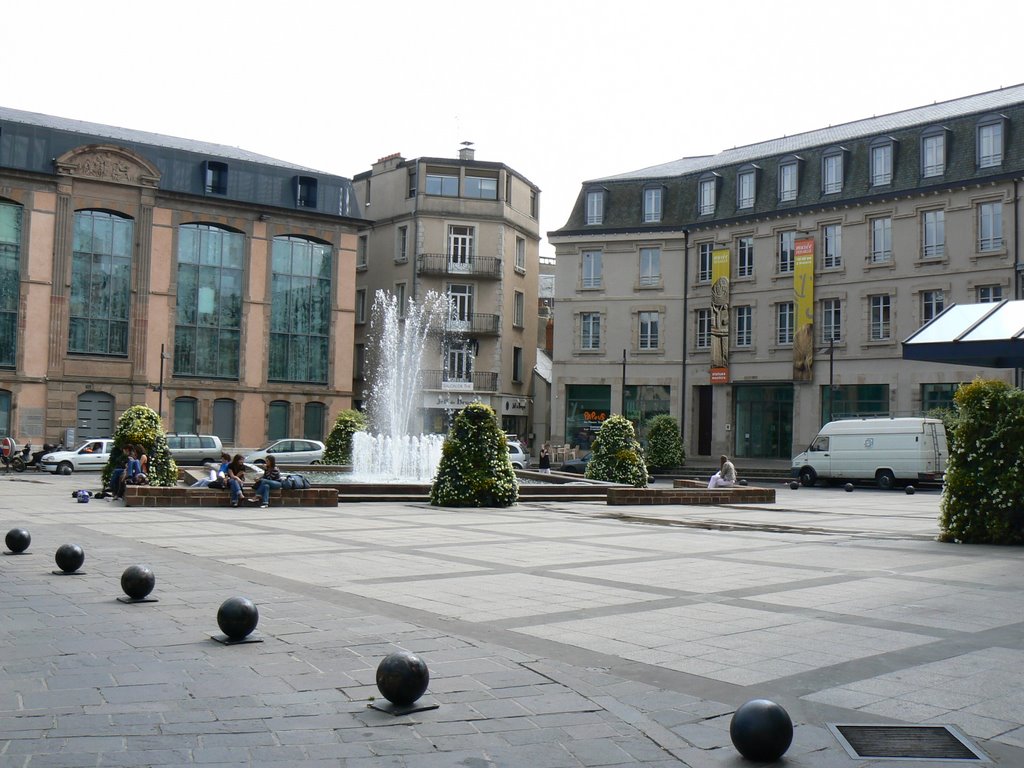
(559, 90)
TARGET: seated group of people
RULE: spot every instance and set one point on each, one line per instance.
(231, 475)
(134, 471)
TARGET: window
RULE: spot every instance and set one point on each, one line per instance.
(703, 340)
(517, 364)
(932, 303)
(706, 196)
(460, 306)
(300, 310)
(590, 330)
(745, 189)
(650, 267)
(933, 153)
(648, 323)
(520, 254)
(832, 246)
(361, 252)
(459, 361)
(400, 299)
(990, 144)
(359, 363)
(461, 242)
(518, 309)
(508, 189)
(481, 187)
(444, 185)
(879, 318)
(652, 204)
(208, 321)
(937, 396)
(745, 256)
(881, 240)
(704, 251)
(933, 235)
(832, 173)
(787, 182)
(533, 204)
(990, 294)
(785, 318)
(744, 326)
(831, 320)
(10, 276)
(101, 268)
(278, 419)
(787, 252)
(881, 164)
(360, 305)
(412, 182)
(313, 421)
(185, 413)
(215, 181)
(591, 263)
(305, 191)
(990, 226)
(402, 245)
(595, 207)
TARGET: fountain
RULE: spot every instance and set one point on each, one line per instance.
(388, 452)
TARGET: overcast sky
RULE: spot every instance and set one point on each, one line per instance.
(560, 90)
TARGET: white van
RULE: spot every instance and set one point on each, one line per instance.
(885, 450)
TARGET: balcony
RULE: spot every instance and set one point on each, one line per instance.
(477, 381)
(443, 264)
(475, 324)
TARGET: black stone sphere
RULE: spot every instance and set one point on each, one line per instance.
(69, 557)
(848, 487)
(137, 581)
(910, 490)
(761, 730)
(794, 485)
(402, 678)
(237, 617)
(18, 540)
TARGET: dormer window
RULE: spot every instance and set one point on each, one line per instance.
(595, 206)
(832, 170)
(882, 152)
(933, 152)
(707, 194)
(305, 192)
(215, 178)
(653, 197)
(990, 141)
(789, 179)
(746, 187)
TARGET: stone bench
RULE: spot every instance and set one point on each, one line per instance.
(690, 495)
(155, 496)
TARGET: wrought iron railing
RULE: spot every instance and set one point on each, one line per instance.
(445, 264)
(474, 323)
(477, 381)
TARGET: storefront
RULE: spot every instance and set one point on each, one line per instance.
(586, 408)
(643, 403)
(763, 421)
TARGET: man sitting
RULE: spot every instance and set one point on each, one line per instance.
(725, 477)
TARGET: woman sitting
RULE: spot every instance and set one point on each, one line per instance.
(132, 474)
(235, 478)
(271, 479)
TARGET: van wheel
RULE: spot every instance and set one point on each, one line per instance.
(886, 480)
(808, 477)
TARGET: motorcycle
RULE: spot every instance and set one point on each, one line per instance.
(29, 458)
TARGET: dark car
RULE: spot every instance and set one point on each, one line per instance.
(575, 466)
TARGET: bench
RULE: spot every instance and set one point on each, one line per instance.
(689, 495)
(155, 496)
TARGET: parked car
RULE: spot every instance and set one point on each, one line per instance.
(289, 451)
(90, 455)
(517, 455)
(194, 449)
(575, 466)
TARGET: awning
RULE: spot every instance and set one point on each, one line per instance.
(983, 335)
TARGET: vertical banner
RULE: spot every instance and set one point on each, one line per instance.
(803, 304)
(720, 316)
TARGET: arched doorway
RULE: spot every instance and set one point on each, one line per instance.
(95, 416)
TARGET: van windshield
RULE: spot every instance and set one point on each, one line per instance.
(820, 443)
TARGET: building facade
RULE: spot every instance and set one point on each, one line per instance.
(215, 284)
(466, 229)
(760, 292)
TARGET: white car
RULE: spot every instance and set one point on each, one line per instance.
(289, 451)
(92, 454)
(517, 455)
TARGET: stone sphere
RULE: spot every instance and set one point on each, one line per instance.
(742, 482)
(69, 557)
(137, 581)
(761, 730)
(848, 487)
(910, 490)
(18, 540)
(237, 617)
(402, 678)
(794, 485)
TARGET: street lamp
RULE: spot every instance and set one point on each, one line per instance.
(831, 372)
(623, 411)
(160, 387)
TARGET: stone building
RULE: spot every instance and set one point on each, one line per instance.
(212, 282)
(759, 292)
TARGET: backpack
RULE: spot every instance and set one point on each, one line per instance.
(295, 482)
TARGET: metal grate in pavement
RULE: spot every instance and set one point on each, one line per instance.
(907, 742)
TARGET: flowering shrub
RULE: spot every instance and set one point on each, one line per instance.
(983, 501)
(141, 425)
(339, 442)
(664, 446)
(616, 456)
(475, 470)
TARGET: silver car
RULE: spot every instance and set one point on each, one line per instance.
(92, 454)
(289, 451)
(194, 449)
(517, 455)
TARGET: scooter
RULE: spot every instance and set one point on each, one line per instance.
(28, 458)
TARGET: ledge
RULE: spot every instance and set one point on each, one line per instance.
(684, 493)
(155, 496)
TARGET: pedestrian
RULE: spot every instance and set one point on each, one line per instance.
(236, 478)
(725, 477)
(545, 459)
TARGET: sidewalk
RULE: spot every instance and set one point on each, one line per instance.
(557, 634)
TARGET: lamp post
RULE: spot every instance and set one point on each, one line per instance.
(160, 386)
(831, 372)
(623, 384)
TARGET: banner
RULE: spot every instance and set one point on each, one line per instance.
(803, 304)
(720, 302)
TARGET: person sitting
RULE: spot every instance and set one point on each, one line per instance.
(131, 469)
(725, 477)
(271, 479)
(143, 459)
(235, 478)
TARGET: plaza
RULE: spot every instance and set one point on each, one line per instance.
(556, 634)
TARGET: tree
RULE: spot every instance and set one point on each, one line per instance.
(616, 455)
(664, 446)
(475, 470)
(983, 499)
(141, 425)
(339, 442)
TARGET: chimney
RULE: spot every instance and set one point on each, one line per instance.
(467, 152)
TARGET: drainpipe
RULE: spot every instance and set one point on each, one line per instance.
(686, 325)
(1017, 266)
